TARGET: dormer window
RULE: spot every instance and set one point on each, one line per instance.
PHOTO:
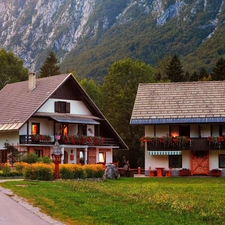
(62, 107)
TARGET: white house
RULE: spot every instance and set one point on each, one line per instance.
(184, 126)
(36, 112)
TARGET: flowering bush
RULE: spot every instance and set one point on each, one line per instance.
(94, 171)
(74, 171)
(6, 169)
(71, 171)
(19, 166)
(39, 171)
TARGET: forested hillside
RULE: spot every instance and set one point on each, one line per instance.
(87, 36)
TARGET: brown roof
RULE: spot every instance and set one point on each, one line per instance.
(179, 102)
(18, 104)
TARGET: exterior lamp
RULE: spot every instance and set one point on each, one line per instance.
(56, 158)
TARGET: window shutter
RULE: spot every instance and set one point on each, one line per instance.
(56, 106)
(67, 107)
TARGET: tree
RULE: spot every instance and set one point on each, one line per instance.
(194, 76)
(218, 72)
(203, 74)
(119, 92)
(93, 90)
(13, 153)
(161, 68)
(11, 68)
(174, 70)
(50, 66)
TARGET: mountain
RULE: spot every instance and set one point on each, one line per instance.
(89, 35)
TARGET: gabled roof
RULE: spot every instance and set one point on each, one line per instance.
(187, 102)
(18, 104)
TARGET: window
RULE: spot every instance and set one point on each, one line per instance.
(102, 157)
(82, 129)
(62, 107)
(175, 161)
(35, 128)
(38, 152)
(221, 161)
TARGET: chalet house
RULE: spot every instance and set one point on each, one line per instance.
(36, 112)
(184, 126)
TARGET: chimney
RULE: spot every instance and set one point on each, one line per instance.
(31, 81)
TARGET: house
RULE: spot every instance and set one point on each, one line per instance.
(36, 112)
(184, 126)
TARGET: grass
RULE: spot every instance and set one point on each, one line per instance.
(127, 201)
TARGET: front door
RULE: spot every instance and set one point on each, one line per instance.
(65, 157)
(199, 163)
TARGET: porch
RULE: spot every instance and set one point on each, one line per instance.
(67, 140)
(195, 144)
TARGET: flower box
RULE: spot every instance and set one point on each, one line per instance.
(184, 172)
(216, 173)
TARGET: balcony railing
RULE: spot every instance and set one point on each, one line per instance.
(197, 144)
(68, 140)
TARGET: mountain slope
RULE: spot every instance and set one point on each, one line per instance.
(89, 35)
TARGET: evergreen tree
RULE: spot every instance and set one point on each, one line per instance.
(50, 66)
(161, 68)
(174, 70)
(218, 72)
(194, 76)
(203, 74)
(11, 68)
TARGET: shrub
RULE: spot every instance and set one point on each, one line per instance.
(46, 160)
(6, 169)
(94, 171)
(19, 166)
(74, 171)
(39, 171)
(71, 171)
(31, 158)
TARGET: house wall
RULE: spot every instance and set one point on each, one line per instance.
(108, 152)
(163, 161)
(213, 159)
(76, 107)
(46, 126)
(10, 137)
(93, 155)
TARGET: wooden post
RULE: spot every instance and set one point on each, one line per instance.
(139, 170)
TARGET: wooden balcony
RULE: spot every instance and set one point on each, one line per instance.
(67, 140)
(195, 144)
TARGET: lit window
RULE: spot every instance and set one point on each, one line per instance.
(102, 157)
(35, 128)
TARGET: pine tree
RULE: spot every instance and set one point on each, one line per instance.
(218, 72)
(174, 70)
(50, 66)
(203, 74)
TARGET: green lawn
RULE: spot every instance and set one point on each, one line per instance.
(138, 201)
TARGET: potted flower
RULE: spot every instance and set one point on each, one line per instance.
(216, 173)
